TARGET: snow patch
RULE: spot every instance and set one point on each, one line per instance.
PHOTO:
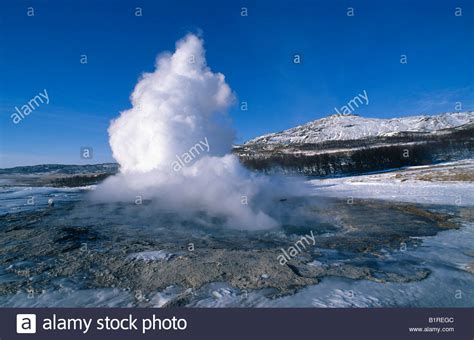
(150, 256)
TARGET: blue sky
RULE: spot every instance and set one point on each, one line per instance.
(341, 57)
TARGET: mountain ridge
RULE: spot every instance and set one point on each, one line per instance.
(353, 127)
(351, 144)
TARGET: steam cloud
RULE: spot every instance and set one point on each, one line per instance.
(179, 105)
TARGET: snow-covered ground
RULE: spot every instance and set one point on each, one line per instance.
(448, 183)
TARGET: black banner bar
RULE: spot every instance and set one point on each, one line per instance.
(267, 323)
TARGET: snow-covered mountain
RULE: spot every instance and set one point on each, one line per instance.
(354, 127)
(349, 144)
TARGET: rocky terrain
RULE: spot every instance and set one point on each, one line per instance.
(354, 245)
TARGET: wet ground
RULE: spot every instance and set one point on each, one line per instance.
(139, 255)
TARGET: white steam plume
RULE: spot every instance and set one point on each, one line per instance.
(178, 110)
(174, 108)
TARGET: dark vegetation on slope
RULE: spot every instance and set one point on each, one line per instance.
(359, 156)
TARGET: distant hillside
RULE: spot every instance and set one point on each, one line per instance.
(350, 144)
(57, 175)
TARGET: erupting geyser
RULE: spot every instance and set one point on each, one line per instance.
(174, 108)
(174, 144)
